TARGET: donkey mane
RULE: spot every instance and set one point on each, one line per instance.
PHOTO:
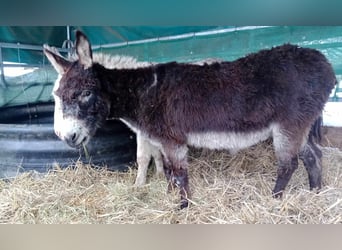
(111, 61)
(118, 61)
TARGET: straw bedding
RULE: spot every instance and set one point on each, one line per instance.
(225, 189)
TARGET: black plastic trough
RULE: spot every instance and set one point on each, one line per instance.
(28, 142)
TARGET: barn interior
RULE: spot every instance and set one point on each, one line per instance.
(28, 142)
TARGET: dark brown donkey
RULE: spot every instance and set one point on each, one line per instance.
(276, 93)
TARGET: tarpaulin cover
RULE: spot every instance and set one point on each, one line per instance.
(156, 44)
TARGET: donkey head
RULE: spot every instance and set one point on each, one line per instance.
(81, 105)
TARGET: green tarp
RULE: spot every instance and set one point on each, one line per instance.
(157, 44)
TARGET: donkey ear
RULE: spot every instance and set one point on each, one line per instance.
(83, 50)
(58, 62)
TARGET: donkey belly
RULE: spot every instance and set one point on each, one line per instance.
(233, 141)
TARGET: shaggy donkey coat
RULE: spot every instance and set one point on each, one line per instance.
(276, 93)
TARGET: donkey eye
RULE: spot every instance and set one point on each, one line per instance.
(87, 93)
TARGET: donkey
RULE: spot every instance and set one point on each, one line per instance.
(277, 93)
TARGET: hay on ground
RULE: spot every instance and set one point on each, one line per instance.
(225, 189)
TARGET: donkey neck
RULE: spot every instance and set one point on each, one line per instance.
(124, 88)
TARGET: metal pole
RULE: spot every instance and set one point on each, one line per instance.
(68, 39)
(26, 46)
(14, 65)
(68, 32)
(2, 79)
(177, 37)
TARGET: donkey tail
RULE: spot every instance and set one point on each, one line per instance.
(316, 131)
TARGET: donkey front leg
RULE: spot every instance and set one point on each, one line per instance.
(144, 154)
(146, 150)
(286, 145)
(176, 171)
(285, 171)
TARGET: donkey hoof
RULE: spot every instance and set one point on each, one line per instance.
(315, 189)
(277, 195)
(184, 204)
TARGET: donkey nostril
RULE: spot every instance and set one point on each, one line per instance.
(73, 138)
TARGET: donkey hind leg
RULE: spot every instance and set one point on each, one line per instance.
(311, 156)
(286, 150)
(158, 160)
(176, 171)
